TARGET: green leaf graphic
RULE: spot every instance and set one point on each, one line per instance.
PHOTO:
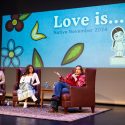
(73, 53)
(24, 16)
(34, 33)
(36, 59)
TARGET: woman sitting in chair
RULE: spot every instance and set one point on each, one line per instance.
(76, 78)
(26, 86)
(2, 77)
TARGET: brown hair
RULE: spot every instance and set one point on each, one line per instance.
(27, 69)
(82, 71)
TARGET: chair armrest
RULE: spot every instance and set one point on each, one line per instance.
(16, 86)
(82, 95)
(78, 91)
(3, 86)
(38, 88)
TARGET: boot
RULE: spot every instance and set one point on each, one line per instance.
(54, 104)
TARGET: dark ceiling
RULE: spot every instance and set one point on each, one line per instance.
(20, 6)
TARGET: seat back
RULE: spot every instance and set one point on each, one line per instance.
(90, 84)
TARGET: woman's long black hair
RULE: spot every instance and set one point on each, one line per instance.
(27, 70)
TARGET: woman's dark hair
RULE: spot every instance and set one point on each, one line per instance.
(117, 29)
(82, 71)
(27, 69)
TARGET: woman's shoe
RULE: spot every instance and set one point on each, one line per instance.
(25, 105)
(54, 104)
(34, 98)
(56, 98)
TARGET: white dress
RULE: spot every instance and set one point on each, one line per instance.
(26, 89)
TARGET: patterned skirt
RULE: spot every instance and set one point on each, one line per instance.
(25, 91)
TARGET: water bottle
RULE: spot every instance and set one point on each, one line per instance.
(46, 85)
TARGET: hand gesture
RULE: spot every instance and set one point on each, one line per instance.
(74, 76)
(58, 74)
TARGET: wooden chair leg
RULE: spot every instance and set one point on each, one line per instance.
(65, 110)
(38, 101)
(80, 108)
(93, 109)
(14, 103)
(2, 102)
(36, 104)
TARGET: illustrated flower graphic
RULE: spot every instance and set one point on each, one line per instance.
(11, 54)
(15, 22)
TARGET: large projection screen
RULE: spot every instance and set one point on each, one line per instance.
(89, 36)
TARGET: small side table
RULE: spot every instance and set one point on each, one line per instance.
(43, 91)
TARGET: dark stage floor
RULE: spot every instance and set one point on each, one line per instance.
(116, 116)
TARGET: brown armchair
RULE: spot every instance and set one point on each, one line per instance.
(19, 72)
(81, 96)
(2, 92)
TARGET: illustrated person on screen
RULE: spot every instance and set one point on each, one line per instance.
(26, 86)
(118, 37)
(76, 78)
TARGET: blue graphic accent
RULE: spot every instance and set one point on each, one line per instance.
(11, 54)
